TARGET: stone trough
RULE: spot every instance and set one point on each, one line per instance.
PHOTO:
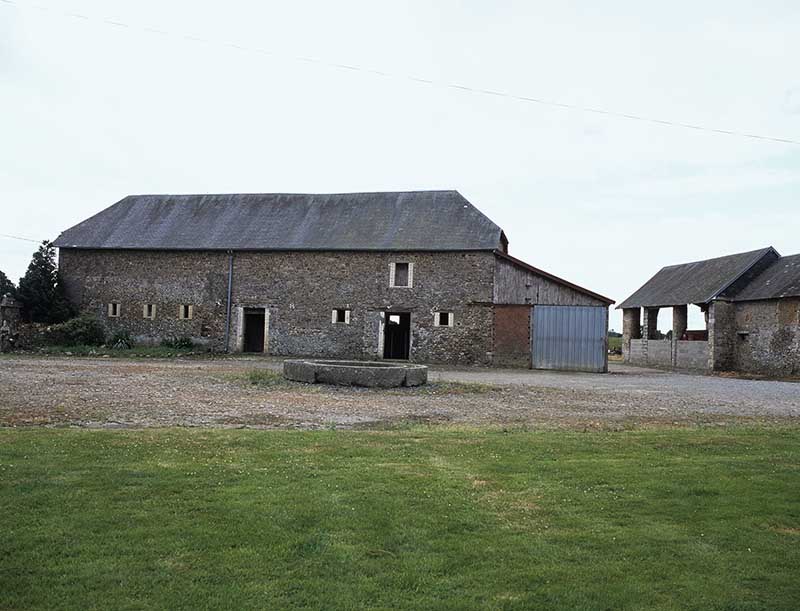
(355, 373)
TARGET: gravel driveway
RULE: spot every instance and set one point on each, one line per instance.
(108, 392)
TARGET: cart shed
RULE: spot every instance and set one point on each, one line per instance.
(545, 322)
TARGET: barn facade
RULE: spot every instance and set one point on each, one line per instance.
(751, 303)
(422, 276)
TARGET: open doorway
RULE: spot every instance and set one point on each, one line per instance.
(254, 329)
(397, 335)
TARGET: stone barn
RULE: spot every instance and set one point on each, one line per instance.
(422, 276)
(751, 303)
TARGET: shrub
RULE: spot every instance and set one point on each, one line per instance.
(84, 330)
(175, 342)
(122, 340)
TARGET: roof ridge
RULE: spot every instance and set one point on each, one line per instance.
(733, 254)
(263, 193)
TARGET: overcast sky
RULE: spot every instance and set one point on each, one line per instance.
(91, 111)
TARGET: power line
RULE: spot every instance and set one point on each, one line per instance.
(417, 79)
(16, 237)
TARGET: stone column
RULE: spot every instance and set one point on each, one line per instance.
(650, 325)
(721, 336)
(631, 329)
(10, 317)
(680, 317)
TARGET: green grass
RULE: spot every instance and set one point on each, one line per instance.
(615, 343)
(264, 377)
(136, 351)
(419, 519)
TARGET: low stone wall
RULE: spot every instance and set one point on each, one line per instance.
(637, 355)
(692, 355)
(659, 352)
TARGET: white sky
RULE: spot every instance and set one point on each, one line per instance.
(91, 112)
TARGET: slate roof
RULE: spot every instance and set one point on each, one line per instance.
(386, 221)
(781, 279)
(697, 282)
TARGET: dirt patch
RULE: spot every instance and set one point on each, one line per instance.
(226, 393)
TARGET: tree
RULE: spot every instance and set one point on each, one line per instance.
(40, 291)
(6, 286)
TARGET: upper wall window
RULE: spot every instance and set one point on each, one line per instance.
(185, 311)
(340, 316)
(401, 275)
(149, 311)
(443, 319)
(113, 309)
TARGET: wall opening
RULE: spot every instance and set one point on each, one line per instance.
(400, 277)
(340, 316)
(697, 329)
(397, 335)
(254, 329)
(443, 319)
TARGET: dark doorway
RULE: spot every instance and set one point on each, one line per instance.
(397, 335)
(254, 329)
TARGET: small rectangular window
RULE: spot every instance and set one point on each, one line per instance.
(149, 311)
(185, 311)
(340, 316)
(401, 275)
(113, 310)
(443, 319)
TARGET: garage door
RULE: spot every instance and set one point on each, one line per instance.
(572, 338)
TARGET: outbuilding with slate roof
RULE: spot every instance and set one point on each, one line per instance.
(420, 275)
(751, 302)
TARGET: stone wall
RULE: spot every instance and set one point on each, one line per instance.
(299, 290)
(669, 354)
(691, 355)
(94, 278)
(659, 353)
(767, 337)
(631, 329)
(637, 354)
(721, 336)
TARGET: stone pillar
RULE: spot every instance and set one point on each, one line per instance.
(680, 318)
(650, 326)
(10, 317)
(721, 336)
(650, 323)
(631, 329)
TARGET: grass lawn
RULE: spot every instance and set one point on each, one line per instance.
(695, 518)
(107, 351)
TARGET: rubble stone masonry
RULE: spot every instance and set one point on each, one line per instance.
(299, 290)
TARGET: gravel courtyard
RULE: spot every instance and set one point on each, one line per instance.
(142, 392)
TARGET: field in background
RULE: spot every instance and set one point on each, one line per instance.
(694, 518)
